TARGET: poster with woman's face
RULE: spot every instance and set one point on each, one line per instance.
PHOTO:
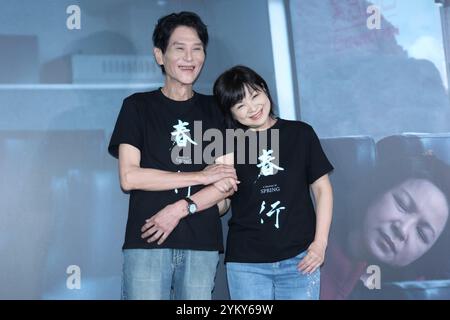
(375, 84)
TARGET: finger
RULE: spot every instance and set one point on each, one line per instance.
(314, 264)
(220, 186)
(228, 171)
(229, 183)
(302, 267)
(311, 268)
(232, 186)
(315, 268)
(147, 226)
(163, 238)
(225, 175)
(302, 262)
(149, 232)
(229, 186)
(306, 259)
(156, 236)
(305, 262)
(307, 267)
(307, 270)
(226, 168)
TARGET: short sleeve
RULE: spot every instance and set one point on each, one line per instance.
(317, 162)
(127, 130)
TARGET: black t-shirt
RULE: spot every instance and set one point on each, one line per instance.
(273, 216)
(156, 125)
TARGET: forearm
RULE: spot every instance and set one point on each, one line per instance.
(223, 206)
(324, 213)
(148, 179)
(208, 197)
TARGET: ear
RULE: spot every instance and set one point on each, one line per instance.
(158, 56)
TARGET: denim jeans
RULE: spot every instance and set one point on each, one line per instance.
(163, 274)
(272, 281)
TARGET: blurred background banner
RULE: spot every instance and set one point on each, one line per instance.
(371, 77)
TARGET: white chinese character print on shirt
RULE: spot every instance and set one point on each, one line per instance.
(189, 189)
(271, 212)
(266, 165)
(180, 134)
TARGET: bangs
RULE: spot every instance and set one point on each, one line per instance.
(236, 92)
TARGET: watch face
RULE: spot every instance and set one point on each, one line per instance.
(192, 208)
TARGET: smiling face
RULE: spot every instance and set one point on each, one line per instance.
(183, 58)
(254, 109)
(405, 222)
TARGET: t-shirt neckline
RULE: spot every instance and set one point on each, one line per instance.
(276, 125)
(169, 101)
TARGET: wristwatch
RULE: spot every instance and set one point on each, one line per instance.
(192, 206)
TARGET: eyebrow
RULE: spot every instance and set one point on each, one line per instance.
(183, 43)
(415, 209)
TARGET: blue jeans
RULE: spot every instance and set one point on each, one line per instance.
(163, 274)
(272, 281)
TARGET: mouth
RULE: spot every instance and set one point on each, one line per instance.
(387, 242)
(187, 68)
(257, 115)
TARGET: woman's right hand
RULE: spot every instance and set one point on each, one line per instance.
(226, 185)
(216, 172)
(314, 258)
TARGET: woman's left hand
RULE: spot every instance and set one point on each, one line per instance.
(313, 259)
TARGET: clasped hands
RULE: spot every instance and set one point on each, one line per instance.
(160, 225)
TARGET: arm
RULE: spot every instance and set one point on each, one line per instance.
(218, 192)
(224, 205)
(133, 177)
(323, 195)
(162, 224)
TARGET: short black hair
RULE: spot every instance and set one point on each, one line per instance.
(167, 24)
(229, 89)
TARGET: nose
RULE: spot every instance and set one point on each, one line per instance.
(188, 55)
(401, 229)
(252, 107)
